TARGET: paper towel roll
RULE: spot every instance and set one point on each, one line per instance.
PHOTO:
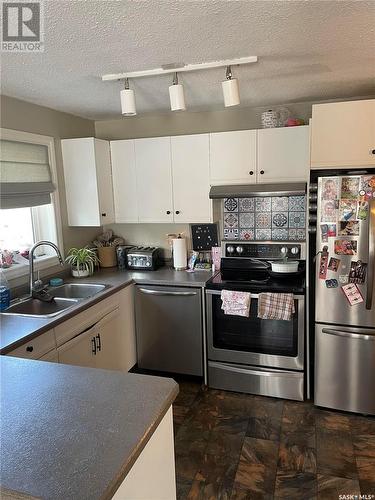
(179, 253)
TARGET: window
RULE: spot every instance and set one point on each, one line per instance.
(29, 188)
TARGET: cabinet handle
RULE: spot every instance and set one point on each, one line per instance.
(373, 151)
(251, 172)
(93, 345)
(168, 212)
(99, 342)
(261, 172)
(29, 348)
(104, 215)
(177, 212)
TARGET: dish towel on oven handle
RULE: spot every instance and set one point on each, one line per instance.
(235, 303)
(278, 306)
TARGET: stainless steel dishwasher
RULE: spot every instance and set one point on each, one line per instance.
(169, 329)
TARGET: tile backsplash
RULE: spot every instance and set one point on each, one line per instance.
(265, 218)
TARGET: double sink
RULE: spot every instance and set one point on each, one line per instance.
(64, 296)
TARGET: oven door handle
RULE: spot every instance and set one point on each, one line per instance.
(252, 295)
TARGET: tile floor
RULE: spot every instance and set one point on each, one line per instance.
(236, 446)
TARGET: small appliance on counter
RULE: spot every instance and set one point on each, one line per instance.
(144, 258)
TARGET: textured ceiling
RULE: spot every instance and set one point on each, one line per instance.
(308, 50)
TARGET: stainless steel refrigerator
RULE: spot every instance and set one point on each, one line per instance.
(345, 292)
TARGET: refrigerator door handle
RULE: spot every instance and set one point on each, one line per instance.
(352, 335)
(371, 254)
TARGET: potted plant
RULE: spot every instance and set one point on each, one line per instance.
(82, 261)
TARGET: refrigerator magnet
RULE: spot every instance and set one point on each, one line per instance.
(324, 232)
(344, 279)
(345, 247)
(357, 273)
(323, 263)
(362, 210)
(349, 228)
(350, 188)
(333, 283)
(352, 293)
(334, 264)
(330, 188)
(347, 210)
(329, 211)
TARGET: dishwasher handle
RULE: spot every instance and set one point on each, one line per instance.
(164, 293)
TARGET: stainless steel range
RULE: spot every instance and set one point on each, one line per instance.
(248, 354)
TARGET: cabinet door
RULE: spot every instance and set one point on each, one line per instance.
(127, 327)
(233, 157)
(343, 134)
(110, 342)
(104, 177)
(124, 181)
(51, 356)
(283, 154)
(80, 350)
(154, 179)
(81, 186)
(190, 174)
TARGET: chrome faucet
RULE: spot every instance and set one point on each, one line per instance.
(36, 287)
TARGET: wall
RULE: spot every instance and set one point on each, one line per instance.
(27, 117)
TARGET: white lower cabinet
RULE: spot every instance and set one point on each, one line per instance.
(152, 476)
(80, 350)
(37, 348)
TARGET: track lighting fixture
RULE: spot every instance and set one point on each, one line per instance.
(128, 100)
(230, 88)
(176, 95)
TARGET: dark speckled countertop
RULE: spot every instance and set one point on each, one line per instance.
(74, 433)
(15, 330)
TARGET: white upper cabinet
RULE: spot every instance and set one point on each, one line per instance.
(154, 179)
(283, 154)
(233, 157)
(88, 181)
(343, 134)
(190, 174)
(124, 181)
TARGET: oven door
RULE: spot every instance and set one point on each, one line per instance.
(254, 341)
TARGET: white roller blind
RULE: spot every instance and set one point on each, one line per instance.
(25, 175)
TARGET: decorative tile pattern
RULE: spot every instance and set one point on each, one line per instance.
(280, 219)
(250, 215)
(297, 203)
(247, 234)
(230, 234)
(263, 234)
(230, 204)
(246, 204)
(280, 203)
(247, 219)
(297, 219)
(230, 220)
(297, 234)
(279, 234)
(263, 220)
(263, 204)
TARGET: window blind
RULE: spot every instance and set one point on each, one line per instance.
(25, 175)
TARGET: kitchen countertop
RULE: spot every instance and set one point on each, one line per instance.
(15, 330)
(69, 432)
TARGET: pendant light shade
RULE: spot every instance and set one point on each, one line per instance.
(176, 95)
(231, 91)
(128, 100)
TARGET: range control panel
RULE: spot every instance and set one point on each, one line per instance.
(263, 250)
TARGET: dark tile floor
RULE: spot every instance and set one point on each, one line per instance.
(237, 446)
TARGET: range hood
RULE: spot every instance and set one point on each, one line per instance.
(250, 190)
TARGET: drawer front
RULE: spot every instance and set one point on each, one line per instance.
(75, 325)
(344, 374)
(254, 380)
(36, 348)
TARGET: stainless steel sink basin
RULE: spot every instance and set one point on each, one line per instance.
(76, 290)
(35, 307)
